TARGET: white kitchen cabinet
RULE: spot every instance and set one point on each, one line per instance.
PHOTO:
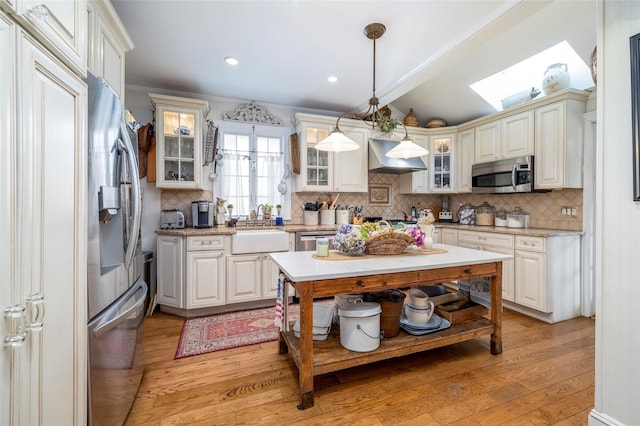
(448, 236)
(43, 210)
(171, 254)
(442, 163)
(531, 289)
(464, 159)
(487, 142)
(244, 279)
(508, 137)
(497, 243)
(251, 277)
(108, 43)
(179, 141)
(558, 145)
(548, 276)
(416, 182)
(61, 26)
(327, 171)
(191, 271)
(205, 271)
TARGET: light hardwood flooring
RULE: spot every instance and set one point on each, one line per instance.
(545, 376)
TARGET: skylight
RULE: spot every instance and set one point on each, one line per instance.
(530, 72)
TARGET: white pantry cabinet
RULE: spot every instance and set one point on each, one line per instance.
(327, 171)
(108, 43)
(179, 141)
(61, 26)
(43, 166)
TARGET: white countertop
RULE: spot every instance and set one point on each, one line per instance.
(302, 266)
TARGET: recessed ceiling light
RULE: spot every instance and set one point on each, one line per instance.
(332, 79)
(231, 60)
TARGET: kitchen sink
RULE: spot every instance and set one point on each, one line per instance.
(259, 241)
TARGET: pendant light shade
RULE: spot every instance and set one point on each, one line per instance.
(337, 142)
(407, 149)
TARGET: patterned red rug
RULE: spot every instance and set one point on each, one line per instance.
(230, 330)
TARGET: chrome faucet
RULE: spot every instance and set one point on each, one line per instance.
(260, 206)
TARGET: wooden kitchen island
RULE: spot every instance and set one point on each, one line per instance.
(314, 278)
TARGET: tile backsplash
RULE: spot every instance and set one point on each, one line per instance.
(544, 208)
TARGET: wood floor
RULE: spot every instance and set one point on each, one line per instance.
(545, 376)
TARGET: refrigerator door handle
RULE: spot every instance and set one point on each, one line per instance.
(135, 197)
(112, 323)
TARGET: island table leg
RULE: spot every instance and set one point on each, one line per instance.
(305, 372)
(496, 311)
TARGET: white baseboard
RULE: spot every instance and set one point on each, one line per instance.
(599, 419)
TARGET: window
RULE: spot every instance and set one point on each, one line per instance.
(253, 166)
(530, 72)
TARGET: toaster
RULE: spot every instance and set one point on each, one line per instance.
(172, 219)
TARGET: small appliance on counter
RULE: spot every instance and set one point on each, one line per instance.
(202, 212)
(445, 215)
(172, 219)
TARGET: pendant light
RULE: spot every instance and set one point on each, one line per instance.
(337, 141)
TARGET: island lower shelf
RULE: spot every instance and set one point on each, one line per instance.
(329, 355)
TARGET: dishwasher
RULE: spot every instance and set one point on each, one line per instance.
(306, 240)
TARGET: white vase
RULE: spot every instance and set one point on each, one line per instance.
(428, 243)
(555, 78)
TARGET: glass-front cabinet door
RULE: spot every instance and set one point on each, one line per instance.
(316, 167)
(179, 141)
(442, 166)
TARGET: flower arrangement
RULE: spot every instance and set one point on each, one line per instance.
(425, 223)
(416, 233)
(348, 241)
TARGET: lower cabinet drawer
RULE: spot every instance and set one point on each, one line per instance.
(205, 242)
(536, 244)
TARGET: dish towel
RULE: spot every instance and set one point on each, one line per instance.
(279, 303)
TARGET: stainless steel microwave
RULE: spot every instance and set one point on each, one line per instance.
(513, 175)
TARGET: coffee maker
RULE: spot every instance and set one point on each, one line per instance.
(202, 213)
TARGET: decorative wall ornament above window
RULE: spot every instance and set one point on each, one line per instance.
(252, 113)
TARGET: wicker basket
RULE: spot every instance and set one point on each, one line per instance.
(387, 242)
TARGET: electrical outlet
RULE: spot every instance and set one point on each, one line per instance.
(564, 211)
(574, 211)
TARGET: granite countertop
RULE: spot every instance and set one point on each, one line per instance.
(533, 232)
(241, 227)
(302, 266)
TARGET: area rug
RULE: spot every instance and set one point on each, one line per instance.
(229, 330)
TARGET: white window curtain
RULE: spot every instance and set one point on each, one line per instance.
(255, 159)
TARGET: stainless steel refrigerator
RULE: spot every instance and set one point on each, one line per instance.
(116, 289)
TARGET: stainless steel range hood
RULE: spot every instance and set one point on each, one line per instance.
(379, 163)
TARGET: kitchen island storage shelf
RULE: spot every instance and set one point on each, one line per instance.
(313, 279)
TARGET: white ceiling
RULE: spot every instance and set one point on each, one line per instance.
(431, 52)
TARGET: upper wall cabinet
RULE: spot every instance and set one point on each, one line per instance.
(442, 165)
(327, 171)
(559, 153)
(179, 141)
(108, 43)
(508, 137)
(464, 159)
(60, 25)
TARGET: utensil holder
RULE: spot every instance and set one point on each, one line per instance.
(327, 217)
(342, 217)
(310, 217)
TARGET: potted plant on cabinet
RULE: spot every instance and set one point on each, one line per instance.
(278, 210)
(230, 209)
(266, 211)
